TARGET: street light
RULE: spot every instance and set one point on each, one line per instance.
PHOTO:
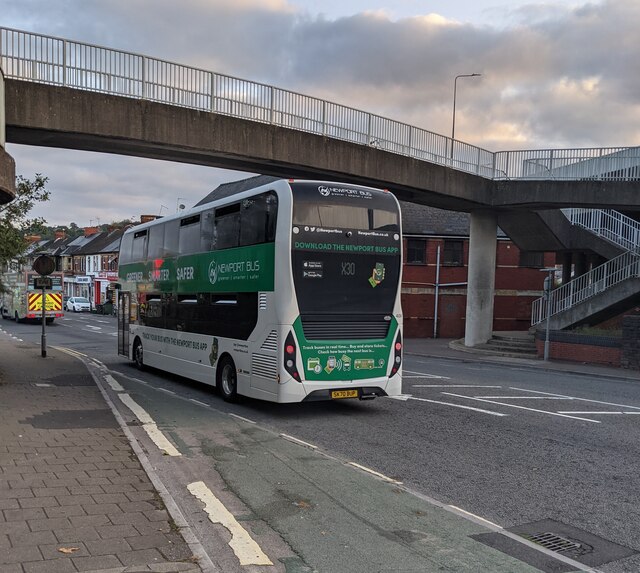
(455, 89)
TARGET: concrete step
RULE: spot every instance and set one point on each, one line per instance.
(515, 345)
(493, 350)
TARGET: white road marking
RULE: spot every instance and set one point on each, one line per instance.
(241, 418)
(453, 386)
(520, 407)
(594, 412)
(165, 390)
(115, 385)
(523, 397)
(576, 398)
(458, 509)
(375, 473)
(149, 426)
(246, 549)
(401, 397)
(95, 328)
(199, 403)
(423, 375)
(459, 406)
(299, 442)
(43, 385)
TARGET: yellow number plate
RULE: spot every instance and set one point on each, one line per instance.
(344, 393)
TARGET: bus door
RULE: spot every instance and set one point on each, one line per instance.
(124, 314)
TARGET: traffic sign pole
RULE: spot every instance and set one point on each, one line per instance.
(43, 344)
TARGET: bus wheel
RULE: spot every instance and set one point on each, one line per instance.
(137, 355)
(227, 379)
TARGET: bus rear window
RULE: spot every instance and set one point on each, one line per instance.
(344, 207)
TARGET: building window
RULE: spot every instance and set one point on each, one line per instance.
(453, 253)
(531, 259)
(416, 252)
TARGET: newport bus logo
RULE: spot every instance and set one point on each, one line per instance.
(213, 272)
(324, 190)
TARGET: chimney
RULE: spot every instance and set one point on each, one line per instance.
(60, 235)
(90, 231)
(32, 238)
(147, 218)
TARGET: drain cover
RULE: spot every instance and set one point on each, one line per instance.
(572, 542)
(554, 542)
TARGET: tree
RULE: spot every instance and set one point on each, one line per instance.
(14, 219)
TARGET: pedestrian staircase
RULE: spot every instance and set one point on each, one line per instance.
(605, 290)
(508, 344)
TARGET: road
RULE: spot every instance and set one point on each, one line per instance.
(528, 450)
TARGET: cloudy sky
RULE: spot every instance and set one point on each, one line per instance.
(554, 74)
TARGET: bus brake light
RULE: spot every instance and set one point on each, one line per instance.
(397, 356)
(290, 357)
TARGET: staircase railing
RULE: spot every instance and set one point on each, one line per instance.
(608, 224)
(590, 284)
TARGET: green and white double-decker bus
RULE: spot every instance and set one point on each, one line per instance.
(287, 292)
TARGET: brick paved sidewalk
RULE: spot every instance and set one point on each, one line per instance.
(73, 495)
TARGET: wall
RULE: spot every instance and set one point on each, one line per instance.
(574, 347)
(631, 342)
(516, 289)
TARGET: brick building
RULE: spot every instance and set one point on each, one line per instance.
(518, 277)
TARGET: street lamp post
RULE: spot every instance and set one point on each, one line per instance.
(455, 90)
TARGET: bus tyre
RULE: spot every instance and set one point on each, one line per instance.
(138, 355)
(227, 379)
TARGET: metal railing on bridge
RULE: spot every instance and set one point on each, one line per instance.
(586, 286)
(46, 59)
(612, 225)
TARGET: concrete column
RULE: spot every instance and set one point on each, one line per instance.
(580, 265)
(7, 164)
(566, 267)
(481, 277)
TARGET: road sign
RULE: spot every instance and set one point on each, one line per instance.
(43, 282)
(44, 265)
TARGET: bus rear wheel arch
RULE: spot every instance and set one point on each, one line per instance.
(227, 379)
(138, 354)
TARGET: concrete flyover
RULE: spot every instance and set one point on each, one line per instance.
(7, 164)
(56, 116)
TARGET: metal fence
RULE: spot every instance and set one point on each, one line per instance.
(590, 284)
(609, 224)
(46, 59)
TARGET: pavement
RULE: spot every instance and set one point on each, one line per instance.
(453, 350)
(74, 495)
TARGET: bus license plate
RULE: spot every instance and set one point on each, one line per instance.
(344, 394)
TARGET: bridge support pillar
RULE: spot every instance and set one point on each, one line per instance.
(7, 164)
(481, 277)
(567, 262)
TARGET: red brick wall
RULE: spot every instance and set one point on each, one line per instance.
(587, 353)
(516, 288)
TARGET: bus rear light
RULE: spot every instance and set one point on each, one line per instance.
(397, 356)
(290, 357)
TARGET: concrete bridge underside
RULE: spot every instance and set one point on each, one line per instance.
(56, 116)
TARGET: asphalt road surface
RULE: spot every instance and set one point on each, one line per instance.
(527, 450)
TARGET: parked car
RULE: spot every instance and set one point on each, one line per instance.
(78, 304)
